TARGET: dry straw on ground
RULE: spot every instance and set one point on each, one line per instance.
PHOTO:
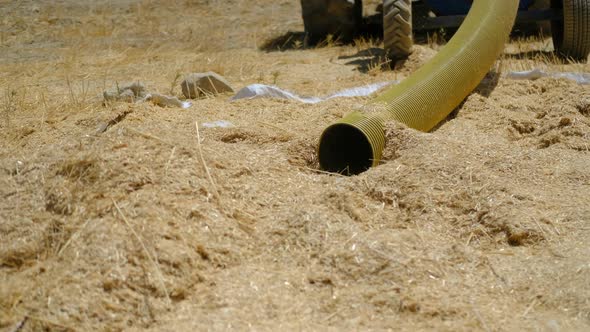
(482, 224)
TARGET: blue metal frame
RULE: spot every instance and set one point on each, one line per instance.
(461, 7)
(451, 13)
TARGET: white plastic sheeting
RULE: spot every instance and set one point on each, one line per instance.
(270, 91)
(581, 78)
(218, 124)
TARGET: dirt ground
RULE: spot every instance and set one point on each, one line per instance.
(482, 224)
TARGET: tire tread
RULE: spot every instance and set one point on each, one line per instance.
(397, 28)
(574, 42)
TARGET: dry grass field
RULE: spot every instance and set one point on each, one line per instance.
(122, 216)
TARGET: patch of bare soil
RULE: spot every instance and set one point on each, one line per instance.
(121, 216)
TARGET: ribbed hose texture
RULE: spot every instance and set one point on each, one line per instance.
(430, 94)
(352, 145)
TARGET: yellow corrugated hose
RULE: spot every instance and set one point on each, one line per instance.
(428, 96)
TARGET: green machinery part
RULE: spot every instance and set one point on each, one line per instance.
(428, 96)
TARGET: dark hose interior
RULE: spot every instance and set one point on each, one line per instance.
(345, 149)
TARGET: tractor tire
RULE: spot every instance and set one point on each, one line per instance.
(571, 37)
(339, 18)
(397, 28)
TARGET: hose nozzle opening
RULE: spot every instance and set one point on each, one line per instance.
(353, 145)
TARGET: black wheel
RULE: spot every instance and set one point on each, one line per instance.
(571, 37)
(340, 18)
(397, 28)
